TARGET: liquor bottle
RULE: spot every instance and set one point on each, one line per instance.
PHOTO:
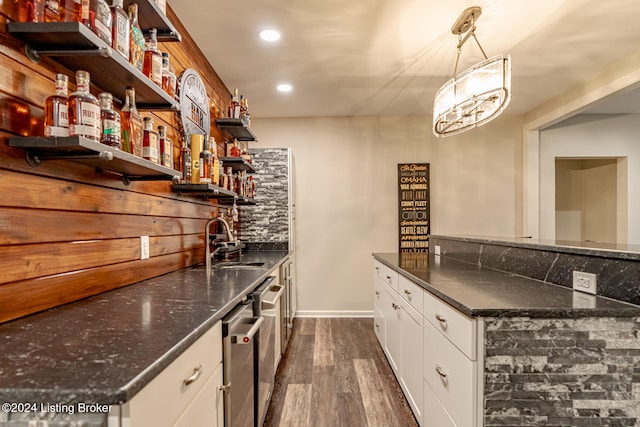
(152, 63)
(215, 168)
(52, 11)
(56, 113)
(136, 38)
(120, 29)
(197, 145)
(110, 122)
(29, 10)
(169, 79)
(244, 151)
(252, 187)
(242, 109)
(206, 164)
(84, 109)
(185, 162)
(150, 144)
(131, 124)
(232, 149)
(101, 19)
(234, 106)
(166, 148)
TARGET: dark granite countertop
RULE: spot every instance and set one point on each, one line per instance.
(483, 292)
(595, 249)
(104, 349)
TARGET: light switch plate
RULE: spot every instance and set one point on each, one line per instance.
(144, 247)
(585, 282)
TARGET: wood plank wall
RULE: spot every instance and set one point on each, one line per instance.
(68, 232)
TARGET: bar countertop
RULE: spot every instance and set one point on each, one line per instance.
(104, 349)
(484, 292)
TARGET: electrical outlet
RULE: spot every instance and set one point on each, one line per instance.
(144, 247)
(585, 282)
(437, 249)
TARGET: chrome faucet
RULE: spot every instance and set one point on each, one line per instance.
(230, 238)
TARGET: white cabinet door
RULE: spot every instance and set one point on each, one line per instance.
(207, 408)
(393, 328)
(412, 358)
(435, 414)
(378, 325)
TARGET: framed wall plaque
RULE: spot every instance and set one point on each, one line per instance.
(413, 207)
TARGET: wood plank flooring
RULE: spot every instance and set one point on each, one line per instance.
(335, 374)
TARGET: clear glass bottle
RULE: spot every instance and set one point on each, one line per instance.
(120, 29)
(152, 63)
(150, 143)
(166, 148)
(206, 164)
(185, 162)
(132, 130)
(136, 38)
(56, 113)
(234, 106)
(101, 19)
(110, 119)
(84, 109)
(169, 79)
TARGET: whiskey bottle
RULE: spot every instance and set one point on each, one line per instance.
(71, 10)
(29, 10)
(232, 149)
(84, 109)
(152, 63)
(185, 162)
(206, 164)
(52, 11)
(234, 106)
(136, 38)
(132, 131)
(120, 29)
(150, 145)
(101, 19)
(215, 166)
(166, 148)
(169, 79)
(110, 119)
(56, 113)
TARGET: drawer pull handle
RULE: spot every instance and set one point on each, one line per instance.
(441, 372)
(197, 371)
(389, 279)
(442, 320)
(225, 388)
(407, 292)
(395, 306)
(377, 292)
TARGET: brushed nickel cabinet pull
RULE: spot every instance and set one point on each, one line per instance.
(442, 320)
(395, 306)
(441, 372)
(197, 371)
(377, 292)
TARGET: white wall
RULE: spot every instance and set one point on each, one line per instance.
(595, 136)
(346, 183)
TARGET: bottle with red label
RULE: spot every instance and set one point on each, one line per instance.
(56, 113)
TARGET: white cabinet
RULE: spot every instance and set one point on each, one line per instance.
(393, 328)
(411, 362)
(185, 393)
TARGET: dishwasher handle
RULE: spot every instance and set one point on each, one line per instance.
(248, 337)
(267, 304)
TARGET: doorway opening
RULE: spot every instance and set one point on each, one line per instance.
(591, 199)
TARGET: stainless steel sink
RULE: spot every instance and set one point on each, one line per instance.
(237, 265)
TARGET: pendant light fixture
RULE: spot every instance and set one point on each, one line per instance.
(478, 94)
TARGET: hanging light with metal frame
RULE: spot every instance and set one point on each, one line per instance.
(478, 94)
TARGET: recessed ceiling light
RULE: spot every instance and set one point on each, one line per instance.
(269, 35)
(284, 87)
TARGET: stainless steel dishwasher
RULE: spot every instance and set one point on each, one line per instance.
(265, 298)
(239, 328)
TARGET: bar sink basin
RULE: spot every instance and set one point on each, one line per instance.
(237, 265)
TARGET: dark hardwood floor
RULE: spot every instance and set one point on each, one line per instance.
(335, 374)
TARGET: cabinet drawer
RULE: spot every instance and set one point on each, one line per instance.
(438, 416)
(378, 289)
(378, 325)
(458, 328)
(451, 375)
(169, 389)
(411, 293)
(207, 408)
(389, 277)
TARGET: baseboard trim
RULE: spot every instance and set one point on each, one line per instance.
(335, 313)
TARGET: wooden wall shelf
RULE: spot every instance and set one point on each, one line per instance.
(236, 129)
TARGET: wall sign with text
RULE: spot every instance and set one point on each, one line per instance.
(413, 207)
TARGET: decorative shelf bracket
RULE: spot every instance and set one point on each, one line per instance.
(35, 158)
(35, 54)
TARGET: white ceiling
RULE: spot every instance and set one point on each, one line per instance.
(388, 57)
